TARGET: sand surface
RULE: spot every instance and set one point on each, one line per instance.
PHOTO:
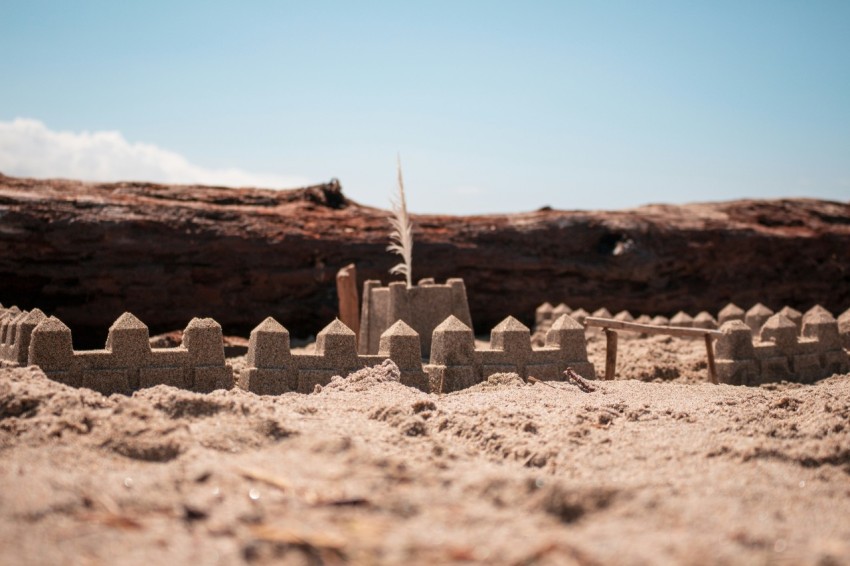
(657, 467)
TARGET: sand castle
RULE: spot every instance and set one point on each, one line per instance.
(128, 362)
(779, 349)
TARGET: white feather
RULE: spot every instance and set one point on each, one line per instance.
(401, 237)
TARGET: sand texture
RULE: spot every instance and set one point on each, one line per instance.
(658, 468)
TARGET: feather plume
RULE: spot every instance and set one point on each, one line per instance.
(401, 238)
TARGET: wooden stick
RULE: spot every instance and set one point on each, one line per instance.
(648, 328)
(532, 379)
(610, 354)
(709, 349)
(346, 290)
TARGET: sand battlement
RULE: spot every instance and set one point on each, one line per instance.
(779, 353)
(16, 327)
(128, 363)
(454, 364)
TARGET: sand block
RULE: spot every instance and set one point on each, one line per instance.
(512, 337)
(730, 312)
(844, 329)
(51, 346)
(7, 348)
(401, 344)
(624, 316)
(452, 364)
(203, 339)
(602, 313)
(337, 344)
(794, 316)
(264, 381)
(815, 311)
(735, 362)
(174, 376)
(821, 325)
(736, 342)
(835, 362)
(107, 381)
(577, 315)
(737, 372)
(775, 368)
(682, 320)
(209, 378)
(270, 369)
(543, 314)
(268, 345)
(26, 326)
(452, 343)
(567, 335)
(129, 340)
(781, 331)
(336, 354)
(559, 310)
(705, 320)
(446, 379)
(807, 367)
(6, 324)
(308, 379)
(757, 316)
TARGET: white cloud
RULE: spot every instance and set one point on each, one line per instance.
(29, 149)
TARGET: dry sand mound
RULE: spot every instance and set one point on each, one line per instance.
(370, 471)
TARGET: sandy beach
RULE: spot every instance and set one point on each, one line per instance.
(658, 466)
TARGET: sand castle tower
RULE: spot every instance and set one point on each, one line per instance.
(423, 307)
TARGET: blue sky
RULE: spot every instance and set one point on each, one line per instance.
(493, 106)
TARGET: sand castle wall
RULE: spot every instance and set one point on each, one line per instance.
(273, 369)
(16, 328)
(128, 362)
(779, 353)
(455, 363)
(755, 318)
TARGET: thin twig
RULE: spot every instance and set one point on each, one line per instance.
(532, 379)
(266, 478)
(578, 381)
